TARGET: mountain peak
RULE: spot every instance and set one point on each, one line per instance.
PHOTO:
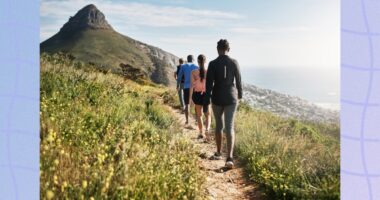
(90, 6)
(87, 17)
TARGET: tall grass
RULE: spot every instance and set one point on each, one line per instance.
(289, 158)
(103, 137)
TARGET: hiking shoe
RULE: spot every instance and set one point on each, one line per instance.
(230, 163)
(200, 136)
(203, 155)
(216, 156)
(207, 140)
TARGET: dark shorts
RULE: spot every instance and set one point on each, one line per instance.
(186, 94)
(198, 100)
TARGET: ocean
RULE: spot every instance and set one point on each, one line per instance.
(320, 86)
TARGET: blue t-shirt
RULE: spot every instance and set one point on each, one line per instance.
(186, 70)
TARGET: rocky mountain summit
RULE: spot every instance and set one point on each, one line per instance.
(87, 17)
(89, 38)
(287, 106)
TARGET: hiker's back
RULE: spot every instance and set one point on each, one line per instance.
(225, 71)
(187, 69)
(199, 84)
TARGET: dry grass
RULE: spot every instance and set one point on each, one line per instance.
(291, 159)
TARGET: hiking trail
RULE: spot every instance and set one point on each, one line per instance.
(220, 184)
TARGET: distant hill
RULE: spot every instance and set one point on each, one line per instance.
(89, 38)
(288, 106)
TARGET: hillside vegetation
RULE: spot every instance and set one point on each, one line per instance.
(103, 137)
(289, 158)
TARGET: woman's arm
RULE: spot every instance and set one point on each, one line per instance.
(209, 83)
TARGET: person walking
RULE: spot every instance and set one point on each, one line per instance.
(185, 72)
(223, 86)
(197, 94)
(181, 85)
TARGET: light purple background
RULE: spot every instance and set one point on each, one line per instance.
(360, 99)
(19, 99)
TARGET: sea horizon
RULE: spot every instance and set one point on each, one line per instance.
(317, 85)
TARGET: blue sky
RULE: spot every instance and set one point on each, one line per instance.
(275, 33)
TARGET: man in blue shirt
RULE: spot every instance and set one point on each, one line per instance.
(186, 70)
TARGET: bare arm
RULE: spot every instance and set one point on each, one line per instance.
(209, 83)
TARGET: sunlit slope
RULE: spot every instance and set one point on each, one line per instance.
(105, 137)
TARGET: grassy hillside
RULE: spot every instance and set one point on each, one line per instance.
(290, 159)
(103, 47)
(103, 137)
(107, 49)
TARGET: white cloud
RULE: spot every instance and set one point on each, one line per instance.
(254, 30)
(167, 16)
(187, 40)
(123, 14)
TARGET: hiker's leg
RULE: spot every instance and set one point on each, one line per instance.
(229, 115)
(186, 94)
(195, 114)
(180, 96)
(187, 113)
(218, 112)
(198, 111)
(206, 111)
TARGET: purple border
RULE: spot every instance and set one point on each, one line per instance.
(360, 99)
(19, 99)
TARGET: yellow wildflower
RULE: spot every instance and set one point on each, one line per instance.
(49, 194)
(84, 184)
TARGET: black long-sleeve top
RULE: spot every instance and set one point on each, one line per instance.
(223, 81)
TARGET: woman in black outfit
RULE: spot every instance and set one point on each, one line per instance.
(223, 86)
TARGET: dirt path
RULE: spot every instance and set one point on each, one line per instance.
(220, 184)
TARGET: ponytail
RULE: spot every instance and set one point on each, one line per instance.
(202, 70)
